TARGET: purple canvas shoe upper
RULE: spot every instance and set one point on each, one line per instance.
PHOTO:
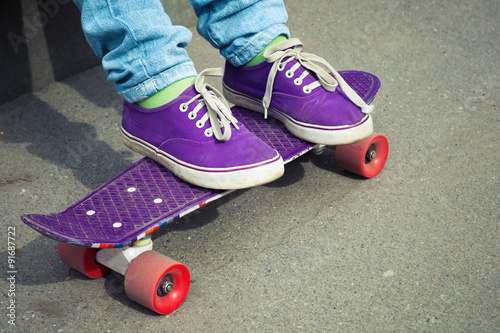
(172, 131)
(292, 99)
(301, 90)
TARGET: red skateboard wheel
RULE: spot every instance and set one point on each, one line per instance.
(366, 157)
(82, 259)
(157, 282)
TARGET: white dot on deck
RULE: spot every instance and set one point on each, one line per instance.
(157, 200)
(90, 212)
(131, 189)
(117, 224)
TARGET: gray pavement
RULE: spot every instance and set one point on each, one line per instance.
(414, 249)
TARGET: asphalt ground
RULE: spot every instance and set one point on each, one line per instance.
(319, 250)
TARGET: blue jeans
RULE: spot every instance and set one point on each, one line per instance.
(142, 52)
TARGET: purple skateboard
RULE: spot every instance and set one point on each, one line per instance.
(146, 197)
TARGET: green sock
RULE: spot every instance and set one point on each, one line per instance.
(168, 94)
(259, 58)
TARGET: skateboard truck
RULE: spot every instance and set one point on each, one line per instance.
(119, 259)
(318, 149)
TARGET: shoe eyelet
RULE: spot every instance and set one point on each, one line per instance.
(281, 66)
(183, 107)
(200, 124)
(191, 116)
(298, 81)
(209, 132)
(307, 90)
(289, 74)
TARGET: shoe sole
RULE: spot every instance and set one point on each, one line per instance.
(215, 178)
(328, 135)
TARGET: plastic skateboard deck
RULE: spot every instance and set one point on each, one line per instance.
(146, 196)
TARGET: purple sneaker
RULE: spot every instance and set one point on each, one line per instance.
(304, 92)
(197, 138)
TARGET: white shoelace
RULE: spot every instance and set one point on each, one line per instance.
(218, 111)
(291, 49)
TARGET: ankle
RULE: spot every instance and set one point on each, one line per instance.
(259, 58)
(167, 94)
